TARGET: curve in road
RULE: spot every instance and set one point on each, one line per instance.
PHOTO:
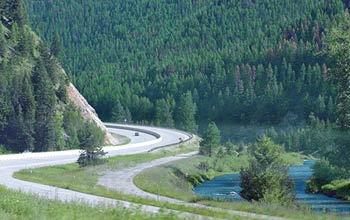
(153, 137)
(10, 164)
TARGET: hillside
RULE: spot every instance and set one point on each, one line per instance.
(38, 110)
(241, 61)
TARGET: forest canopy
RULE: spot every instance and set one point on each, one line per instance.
(35, 111)
(241, 61)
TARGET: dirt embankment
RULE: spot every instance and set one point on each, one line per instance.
(88, 112)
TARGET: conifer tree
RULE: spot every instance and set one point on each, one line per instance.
(28, 107)
(45, 116)
(91, 144)
(267, 179)
(338, 48)
(17, 12)
(4, 105)
(2, 42)
(186, 113)
(56, 46)
(211, 140)
(121, 114)
(163, 113)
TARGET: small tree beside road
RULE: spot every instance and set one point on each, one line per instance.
(92, 151)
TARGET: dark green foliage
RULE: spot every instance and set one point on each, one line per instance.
(338, 49)
(46, 131)
(243, 61)
(211, 140)
(164, 115)
(72, 123)
(121, 114)
(231, 149)
(91, 145)
(34, 110)
(56, 47)
(266, 178)
(324, 172)
(15, 12)
(185, 113)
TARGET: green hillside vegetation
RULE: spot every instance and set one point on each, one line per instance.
(239, 61)
(35, 113)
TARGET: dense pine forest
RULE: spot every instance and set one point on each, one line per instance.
(232, 61)
(184, 63)
(35, 112)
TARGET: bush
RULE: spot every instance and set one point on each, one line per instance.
(266, 178)
(93, 138)
(324, 172)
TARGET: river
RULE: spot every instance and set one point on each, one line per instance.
(227, 188)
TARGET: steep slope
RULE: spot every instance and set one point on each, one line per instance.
(88, 112)
(38, 110)
(242, 61)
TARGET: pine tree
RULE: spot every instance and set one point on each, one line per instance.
(72, 123)
(92, 139)
(211, 140)
(56, 46)
(4, 105)
(338, 48)
(17, 12)
(163, 114)
(185, 113)
(120, 114)
(45, 116)
(267, 179)
(28, 107)
(3, 48)
(24, 43)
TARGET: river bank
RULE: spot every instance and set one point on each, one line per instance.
(162, 180)
(339, 189)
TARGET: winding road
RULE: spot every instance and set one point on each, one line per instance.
(149, 138)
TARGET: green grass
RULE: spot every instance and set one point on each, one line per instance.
(122, 139)
(19, 206)
(164, 180)
(71, 176)
(338, 189)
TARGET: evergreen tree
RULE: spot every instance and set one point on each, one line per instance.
(45, 116)
(17, 12)
(24, 42)
(211, 140)
(28, 107)
(163, 114)
(185, 113)
(91, 145)
(72, 123)
(267, 179)
(4, 105)
(120, 114)
(3, 48)
(338, 48)
(231, 149)
(56, 46)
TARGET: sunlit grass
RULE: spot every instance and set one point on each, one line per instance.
(18, 206)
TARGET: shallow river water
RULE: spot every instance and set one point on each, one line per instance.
(227, 187)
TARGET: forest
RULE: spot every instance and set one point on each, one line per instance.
(233, 61)
(184, 63)
(35, 112)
